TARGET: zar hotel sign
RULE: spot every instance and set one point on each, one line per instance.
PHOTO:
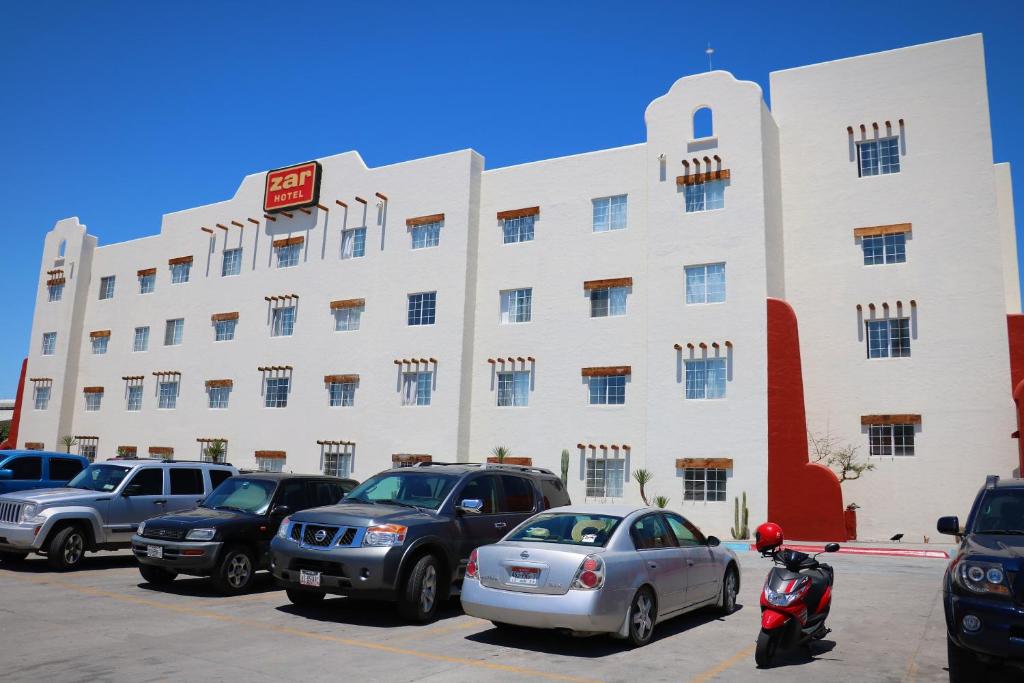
(292, 187)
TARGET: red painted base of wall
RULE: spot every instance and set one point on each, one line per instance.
(12, 436)
(850, 516)
(1015, 331)
(804, 498)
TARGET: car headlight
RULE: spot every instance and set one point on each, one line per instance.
(383, 535)
(200, 534)
(982, 578)
(282, 531)
(141, 528)
(30, 513)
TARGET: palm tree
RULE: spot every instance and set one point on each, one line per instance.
(216, 450)
(643, 477)
(500, 452)
(68, 441)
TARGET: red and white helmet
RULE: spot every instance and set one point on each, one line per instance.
(768, 537)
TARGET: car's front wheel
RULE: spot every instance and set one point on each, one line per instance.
(964, 667)
(730, 587)
(66, 549)
(419, 596)
(304, 598)
(235, 571)
(642, 615)
(157, 576)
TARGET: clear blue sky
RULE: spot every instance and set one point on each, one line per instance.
(119, 112)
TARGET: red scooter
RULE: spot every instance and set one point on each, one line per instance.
(796, 597)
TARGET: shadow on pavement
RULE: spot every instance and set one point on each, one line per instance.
(201, 587)
(343, 610)
(35, 564)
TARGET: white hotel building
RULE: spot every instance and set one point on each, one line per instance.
(611, 303)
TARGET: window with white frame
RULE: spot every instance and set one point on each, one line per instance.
(514, 389)
(704, 484)
(270, 464)
(605, 476)
(888, 338)
(49, 343)
(608, 301)
(706, 196)
(41, 398)
(336, 463)
(341, 394)
(878, 157)
(174, 331)
(107, 287)
(516, 305)
(99, 345)
(347, 319)
(232, 262)
(705, 378)
(891, 439)
(167, 392)
(206, 456)
(882, 249)
(88, 451)
(422, 308)
(416, 388)
(93, 401)
(180, 272)
(133, 400)
(282, 321)
(224, 330)
(705, 284)
(287, 255)
(276, 392)
(218, 397)
(54, 292)
(426, 235)
(147, 283)
(518, 229)
(609, 213)
(140, 341)
(353, 243)
(608, 390)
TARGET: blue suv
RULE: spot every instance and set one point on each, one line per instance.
(983, 589)
(22, 470)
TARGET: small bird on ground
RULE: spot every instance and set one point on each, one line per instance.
(897, 538)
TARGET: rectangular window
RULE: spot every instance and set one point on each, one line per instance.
(608, 390)
(134, 399)
(270, 464)
(168, 393)
(141, 340)
(422, 308)
(426, 235)
(705, 284)
(174, 331)
(88, 451)
(224, 330)
(337, 464)
(342, 394)
(704, 484)
(881, 249)
(609, 213)
(891, 439)
(513, 389)
(282, 321)
(889, 338)
(705, 196)
(92, 402)
(605, 477)
(608, 301)
(353, 243)
(49, 343)
(42, 398)
(218, 397)
(99, 345)
(277, 392)
(54, 292)
(147, 284)
(180, 272)
(516, 306)
(878, 157)
(107, 287)
(517, 229)
(232, 263)
(288, 255)
(416, 388)
(705, 378)
(347, 319)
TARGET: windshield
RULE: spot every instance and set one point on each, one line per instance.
(99, 478)
(243, 495)
(415, 489)
(1001, 512)
(567, 528)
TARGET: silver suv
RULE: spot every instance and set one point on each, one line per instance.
(101, 507)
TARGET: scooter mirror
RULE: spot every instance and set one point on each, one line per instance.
(831, 547)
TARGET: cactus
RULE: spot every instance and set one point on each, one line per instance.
(741, 529)
(661, 501)
(565, 467)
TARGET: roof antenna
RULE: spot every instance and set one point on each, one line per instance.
(709, 51)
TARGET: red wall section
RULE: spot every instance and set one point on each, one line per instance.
(804, 498)
(12, 437)
(1015, 332)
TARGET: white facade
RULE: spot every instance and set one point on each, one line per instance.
(792, 199)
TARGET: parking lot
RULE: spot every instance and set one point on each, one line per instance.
(103, 623)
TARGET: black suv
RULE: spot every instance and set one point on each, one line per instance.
(983, 589)
(405, 535)
(228, 536)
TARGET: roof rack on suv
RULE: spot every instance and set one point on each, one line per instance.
(206, 462)
(991, 481)
(516, 468)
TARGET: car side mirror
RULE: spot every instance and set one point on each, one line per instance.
(132, 490)
(280, 511)
(6, 474)
(948, 525)
(471, 506)
(713, 541)
(831, 547)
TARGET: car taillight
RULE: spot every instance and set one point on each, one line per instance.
(590, 575)
(471, 568)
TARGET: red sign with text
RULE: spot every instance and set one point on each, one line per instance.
(292, 187)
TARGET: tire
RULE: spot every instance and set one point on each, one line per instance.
(767, 646)
(964, 667)
(643, 613)
(11, 557)
(235, 571)
(419, 596)
(304, 598)
(66, 549)
(157, 576)
(730, 586)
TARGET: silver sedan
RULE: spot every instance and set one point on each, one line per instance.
(613, 569)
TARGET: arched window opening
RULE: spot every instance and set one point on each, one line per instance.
(702, 123)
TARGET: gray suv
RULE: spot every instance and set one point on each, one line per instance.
(405, 535)
(101, 507)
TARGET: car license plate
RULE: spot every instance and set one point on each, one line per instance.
(308, 578)
(523, 576)
(155, 551)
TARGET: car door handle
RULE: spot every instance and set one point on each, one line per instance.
(500, 525)
(689, 563)
(652, 565)
(160, 502)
